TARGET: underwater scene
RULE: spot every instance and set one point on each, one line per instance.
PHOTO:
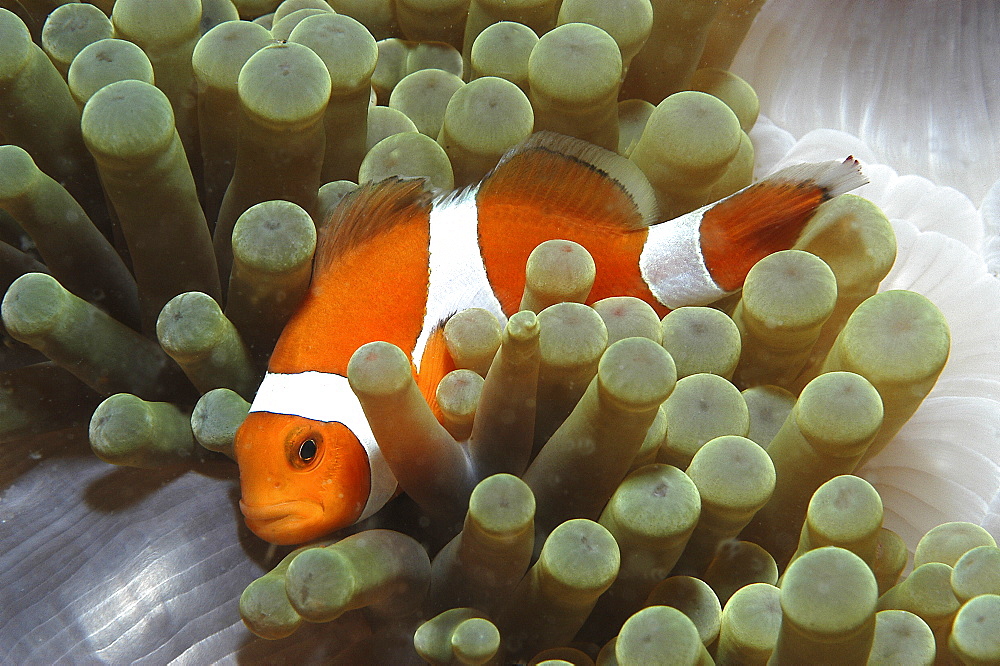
(499, 332)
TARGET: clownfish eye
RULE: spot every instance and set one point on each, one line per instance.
(307, 450)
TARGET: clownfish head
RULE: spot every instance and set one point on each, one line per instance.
(300, 479)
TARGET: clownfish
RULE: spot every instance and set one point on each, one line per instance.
(395, 261)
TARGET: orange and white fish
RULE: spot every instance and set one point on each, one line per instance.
(396, 262)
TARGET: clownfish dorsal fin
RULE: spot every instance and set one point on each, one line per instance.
(367, 212)
(557, 171)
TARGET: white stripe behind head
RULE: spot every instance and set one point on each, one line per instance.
(673, 265)
(327, 397)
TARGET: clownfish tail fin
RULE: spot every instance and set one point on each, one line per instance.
(833, 178)
(769, 216)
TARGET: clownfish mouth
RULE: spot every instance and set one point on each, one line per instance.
(276, 522)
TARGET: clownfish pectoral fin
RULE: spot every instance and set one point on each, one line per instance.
(769, 216)
(435, 363)
(554, 172)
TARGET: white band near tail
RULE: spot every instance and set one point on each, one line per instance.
(327, 397)
(673, 266)
(457, 274)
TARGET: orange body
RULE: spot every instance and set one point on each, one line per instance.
(308, 471)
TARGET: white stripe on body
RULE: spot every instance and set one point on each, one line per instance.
(457, 280)
(673, 266)
(327, 397)
(457, 273)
